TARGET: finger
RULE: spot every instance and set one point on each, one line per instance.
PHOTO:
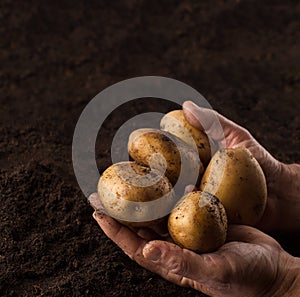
(153, 232)
(230, 134)
(133, 245)
(168, 262)
(125, 238)
(146, 233)
(95, 202)
(185, 265)
(215, 125)
(249, 235)
(204, 118)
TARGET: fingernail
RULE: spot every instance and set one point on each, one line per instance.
(193, 104)
(152, 253)
(98, 215)
(189, 103)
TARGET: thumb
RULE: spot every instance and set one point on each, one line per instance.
(215, 125)
(172, 261)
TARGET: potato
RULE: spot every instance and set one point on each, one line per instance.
(162, 150)
(135, 195)
(198, 222)
(235, 177)
(175, 123)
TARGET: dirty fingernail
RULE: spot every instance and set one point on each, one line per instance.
(98, 215)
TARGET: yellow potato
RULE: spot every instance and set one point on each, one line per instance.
(162, 150)
(235, 177)
(135, 195)
(175, 123)
(198, 222)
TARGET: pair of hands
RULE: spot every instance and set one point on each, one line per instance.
(250, 263)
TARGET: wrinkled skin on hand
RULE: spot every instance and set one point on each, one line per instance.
(250, 263)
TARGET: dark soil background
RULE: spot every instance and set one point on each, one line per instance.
(55, 56)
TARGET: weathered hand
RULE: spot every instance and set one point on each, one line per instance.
(283, 181)
(250, 264)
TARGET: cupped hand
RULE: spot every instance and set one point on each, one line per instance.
(250, 264)
(283, 204)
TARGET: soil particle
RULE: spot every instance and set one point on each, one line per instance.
(55, 56)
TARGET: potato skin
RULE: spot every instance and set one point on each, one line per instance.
(198, 222)
(145, 144)
(175, 123)
(129, 192)
(236, 178)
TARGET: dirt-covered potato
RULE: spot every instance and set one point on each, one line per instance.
(198, 222)
(135, 194)
(162, 150)
(175, 123)
(236, 178)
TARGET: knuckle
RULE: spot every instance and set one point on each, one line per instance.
(178, 266)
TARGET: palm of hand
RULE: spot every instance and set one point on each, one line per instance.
(244, 268)
(247, 265)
